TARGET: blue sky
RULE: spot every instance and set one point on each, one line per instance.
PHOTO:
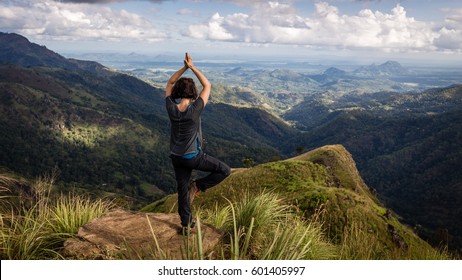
(361, 29)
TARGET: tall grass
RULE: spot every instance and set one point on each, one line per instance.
(259, 226)
(237, 248)
(266, 209)
(219, 217)
(357, 244)
(27, 237)
(69, 212)
(35, 227)
(296, 239)
(263, 226)
(256, 226)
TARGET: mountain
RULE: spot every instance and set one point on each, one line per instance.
(325, 180)
(332, 71)
(285, 75)
(92, 139)
(389, 68)
(235, 71)
(407, 147)
(104, 131)
(236, 133)
(236, 95)
(18, 50)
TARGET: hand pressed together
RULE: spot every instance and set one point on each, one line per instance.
(188, 61)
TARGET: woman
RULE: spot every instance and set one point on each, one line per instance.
(184, 109)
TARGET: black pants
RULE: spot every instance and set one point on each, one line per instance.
(183, 169)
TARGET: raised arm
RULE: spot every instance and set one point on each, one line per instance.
(206, 86)
(173, 79)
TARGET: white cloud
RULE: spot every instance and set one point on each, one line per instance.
(278, 23)
(51, 20)
(269, 22)
(213, 30)
(450, 35)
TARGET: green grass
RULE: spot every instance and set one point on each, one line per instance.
(296, 239)
(69, 212)
(36, 227)
(263, 226)
(259, 225)
(280, 210)
(353, 223)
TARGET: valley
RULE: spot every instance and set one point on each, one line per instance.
(401, 124)
(280, 85)
(102, 125)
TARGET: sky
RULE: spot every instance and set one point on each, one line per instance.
(419, 30)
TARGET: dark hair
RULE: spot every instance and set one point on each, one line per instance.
(184, 88)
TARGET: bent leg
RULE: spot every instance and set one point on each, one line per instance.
(218, 171)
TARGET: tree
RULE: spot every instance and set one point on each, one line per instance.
(248, 162)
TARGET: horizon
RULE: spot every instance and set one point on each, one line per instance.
(424, 33)
(286, 59)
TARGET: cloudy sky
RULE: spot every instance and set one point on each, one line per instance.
(418, 29)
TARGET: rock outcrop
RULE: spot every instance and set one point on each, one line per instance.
(135, 235)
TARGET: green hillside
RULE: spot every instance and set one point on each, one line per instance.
(408, 147)
(52, 124)
(325, 183)
(93, 129)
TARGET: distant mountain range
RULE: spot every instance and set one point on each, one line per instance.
(132, 57)
(285, 88)
(106, 132)
(388, 68)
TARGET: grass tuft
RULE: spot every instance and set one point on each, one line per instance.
(37, 228)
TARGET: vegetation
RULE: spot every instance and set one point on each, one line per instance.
(91, 127)
(36, 222)
(262, 219)
(106, 133)
(409, 153)
(75, 122)
(299, 194)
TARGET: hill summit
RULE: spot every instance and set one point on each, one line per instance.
(18, 50)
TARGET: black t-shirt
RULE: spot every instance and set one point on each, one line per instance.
(185, 130)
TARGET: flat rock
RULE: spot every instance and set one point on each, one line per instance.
(121, 234)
